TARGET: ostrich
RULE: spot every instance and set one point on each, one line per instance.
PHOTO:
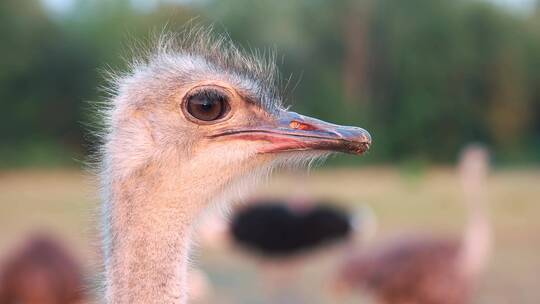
(41, 272)
(273, 229)
(284, 237)
(429, 270)
(287, 236)
(189, 126)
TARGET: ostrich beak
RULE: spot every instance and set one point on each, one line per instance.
(294, 132)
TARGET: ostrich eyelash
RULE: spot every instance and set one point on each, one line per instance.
(208, 93)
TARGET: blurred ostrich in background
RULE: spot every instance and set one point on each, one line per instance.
(42, 271)
(430, 269)
(275, 229)
(286, 236)
(189, 126)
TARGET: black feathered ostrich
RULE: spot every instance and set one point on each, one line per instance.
(285, 236)
(191, 124)
(429, 269)
(273, 228)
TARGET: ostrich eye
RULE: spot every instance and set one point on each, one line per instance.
(207, 105)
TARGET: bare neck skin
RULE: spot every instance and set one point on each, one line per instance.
(149, 241)
(148, 224)
(477, 240)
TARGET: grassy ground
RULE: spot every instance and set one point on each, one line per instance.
(65, 203)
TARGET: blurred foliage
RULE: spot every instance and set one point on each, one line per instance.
(425, 77)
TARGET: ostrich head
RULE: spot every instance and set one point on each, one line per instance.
(200, 105)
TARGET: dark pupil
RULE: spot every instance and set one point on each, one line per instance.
(205, 107)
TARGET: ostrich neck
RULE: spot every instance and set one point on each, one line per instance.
(148, 223)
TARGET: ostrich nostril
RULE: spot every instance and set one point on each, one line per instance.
(301, 126)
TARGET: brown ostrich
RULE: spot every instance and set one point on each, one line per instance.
(188, 127)
(41, 272)
(429, 269)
